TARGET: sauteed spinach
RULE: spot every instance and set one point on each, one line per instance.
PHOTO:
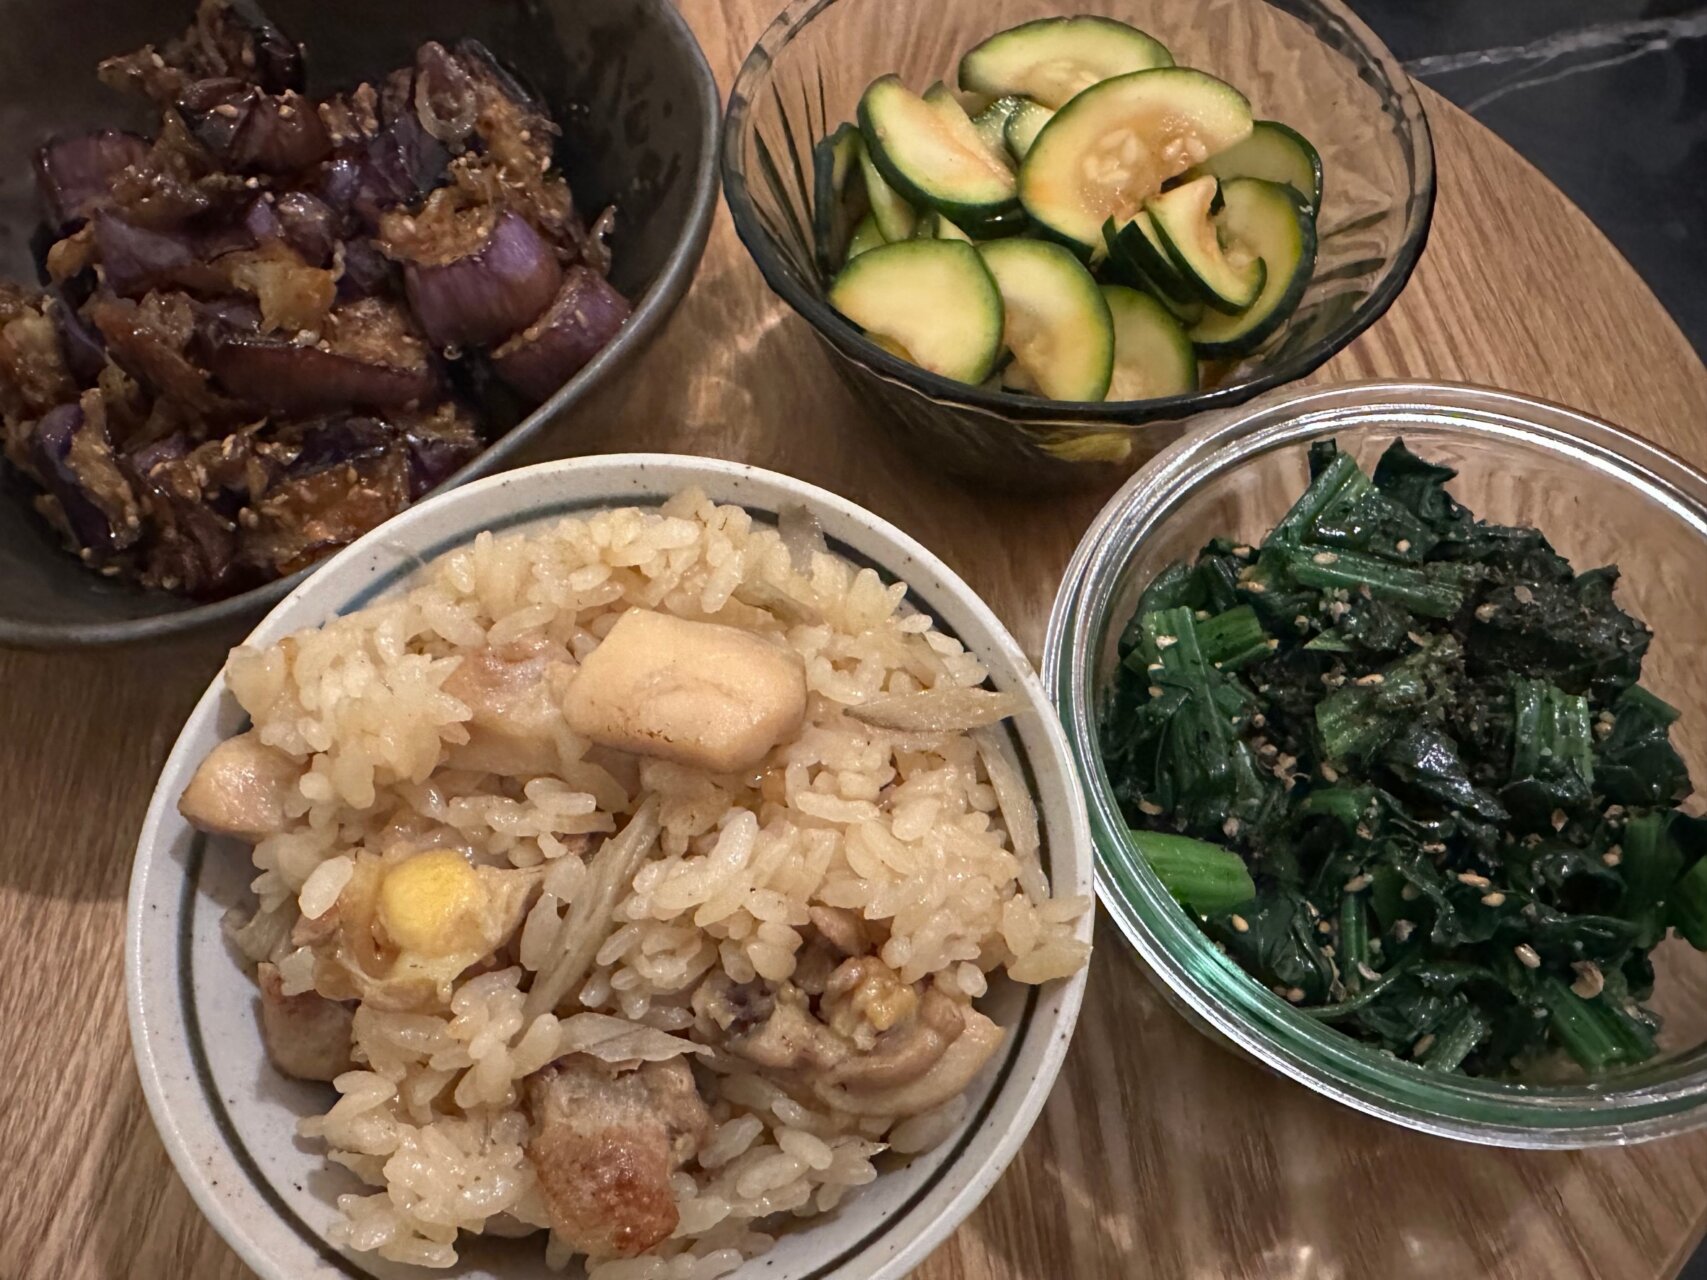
(1398, 762)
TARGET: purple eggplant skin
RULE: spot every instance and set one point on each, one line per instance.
(367, 271)
(255, 132)
(584, 317)
(135, 259)
(247, 39)
(307, 225)
(73, 173)
(288, 379)
(398, 165)
(483, 297)
(50, 458)
(80, 343)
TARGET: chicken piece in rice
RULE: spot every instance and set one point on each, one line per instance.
(656, 983)
(605, 1143)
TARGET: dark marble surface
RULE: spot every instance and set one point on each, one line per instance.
(1607, 97)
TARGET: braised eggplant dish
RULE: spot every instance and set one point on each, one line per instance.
(280, 320)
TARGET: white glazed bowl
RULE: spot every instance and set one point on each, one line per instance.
(229, 1120)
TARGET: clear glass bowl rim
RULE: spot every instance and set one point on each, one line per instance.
(750, 80)
(1632, 1107)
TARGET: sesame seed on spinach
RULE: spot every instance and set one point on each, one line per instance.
(1398, 763)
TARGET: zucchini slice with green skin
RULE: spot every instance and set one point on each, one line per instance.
(991, 124)
(1275, 153)
(1056, 321)
(1052, 59)
(940, 98)
(931, 302)
(837, 203)
(1270, 220)
(930, 157)
(1022, 127)
(1228, 276)
(896, 219)
(1109, 150)
(1138, 247)
(865, 236)
(933, 226)
(1153, 357)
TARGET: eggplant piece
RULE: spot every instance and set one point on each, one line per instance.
(136, 260)
(307, 225)
(228, 38)
(150, 341)
(331, 441)
(308, 515)
(72, 459)
(285, 378)
(80, 343)
(145, 459)
(73, 174)
(33, 374)
(397, 166)
(192, 547)
(584, 317)
(366, 272)
(494, 288)
(251, 44)
(254, 132)
(438, 445)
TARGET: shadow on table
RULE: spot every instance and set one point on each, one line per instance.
(1177, 1158)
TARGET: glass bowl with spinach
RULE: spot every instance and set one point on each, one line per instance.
(1389, 764)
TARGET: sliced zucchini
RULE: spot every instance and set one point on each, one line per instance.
(930, 156)
(1274, 153)
(933, 226)
(1138, 249)
(1152, 355)
(1023, 126)
(896, 219)
(865, 236)
(991, 124)
(932, 302)
(1271, 221)
(1110, 149)
(836, 203)
(1052, 59)
(1056, 322)
(940, 98)
(1228, 276)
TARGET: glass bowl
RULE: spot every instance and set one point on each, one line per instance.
(1310, 63)
(1603, 497)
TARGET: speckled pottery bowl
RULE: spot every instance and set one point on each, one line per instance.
(228, 1119)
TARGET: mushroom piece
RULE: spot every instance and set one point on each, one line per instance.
(516, 720)
(605, 1142)
(698, 693)
(950, 1074)
(307, 1036)
(774, 1030)
(240, 789)
(876, 1047)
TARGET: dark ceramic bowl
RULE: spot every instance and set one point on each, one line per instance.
(1310, 63)
(625, 78)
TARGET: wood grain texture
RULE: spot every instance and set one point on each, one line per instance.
(1159, 1155)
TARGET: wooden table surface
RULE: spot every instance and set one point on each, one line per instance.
(1159, 1154)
